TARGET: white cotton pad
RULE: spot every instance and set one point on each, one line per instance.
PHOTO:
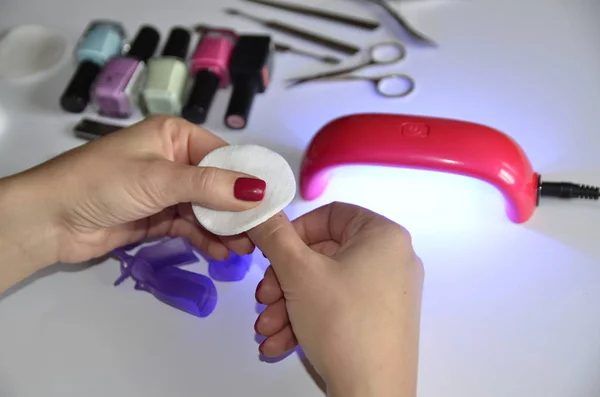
(28, 50)
(259, 162)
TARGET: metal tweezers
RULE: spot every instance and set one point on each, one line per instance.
(352, 21)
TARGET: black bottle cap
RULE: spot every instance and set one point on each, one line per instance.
(178, 43)
(203, 92)
(145, 43)
(77, 94)
(240, 103)
(251, 55)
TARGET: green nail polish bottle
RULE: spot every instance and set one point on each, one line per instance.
(168, 76)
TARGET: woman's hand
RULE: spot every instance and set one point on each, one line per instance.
(133, 185)
(346, 284)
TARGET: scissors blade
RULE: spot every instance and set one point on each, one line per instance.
(280, 47)
(319, 76)
(344, 77)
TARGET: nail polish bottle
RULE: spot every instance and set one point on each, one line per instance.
(210, 69)
(120, 83)
(251, 68)
(101, 41)
(168, 75)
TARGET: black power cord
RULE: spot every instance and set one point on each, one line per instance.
(568, 190)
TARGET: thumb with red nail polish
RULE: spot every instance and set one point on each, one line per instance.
(214, 188)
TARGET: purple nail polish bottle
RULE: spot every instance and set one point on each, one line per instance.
(118, 87)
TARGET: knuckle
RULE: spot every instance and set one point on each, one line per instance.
(401, 238)
(398, 234)
(161, 121)
(341, 206)
(165, 125)
(361, 216)
(205, 179)
(419, 268)
(268, 228)
(272, 226)
(275, 233)
(402, 233)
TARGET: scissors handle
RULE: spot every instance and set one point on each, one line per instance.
(408, 84)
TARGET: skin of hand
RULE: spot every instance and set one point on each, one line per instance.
(133, 185)
(346, 284)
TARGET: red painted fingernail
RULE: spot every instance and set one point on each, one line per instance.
(249, 189)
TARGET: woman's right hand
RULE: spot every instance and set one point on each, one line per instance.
(346, 284)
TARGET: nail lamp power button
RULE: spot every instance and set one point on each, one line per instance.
(415, 130)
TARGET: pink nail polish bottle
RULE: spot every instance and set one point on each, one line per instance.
(210, 69)
(118, 87)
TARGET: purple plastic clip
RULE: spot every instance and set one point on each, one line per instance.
(171, 252)
(234, 268)
(190, 292)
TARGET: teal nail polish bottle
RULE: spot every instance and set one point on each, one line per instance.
(102, 41)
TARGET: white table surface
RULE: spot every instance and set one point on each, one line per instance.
(509, 310)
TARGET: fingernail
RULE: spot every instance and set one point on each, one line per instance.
(249, 189)
(258, 291)
(256, 326)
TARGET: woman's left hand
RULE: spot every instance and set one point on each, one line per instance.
(133, 185)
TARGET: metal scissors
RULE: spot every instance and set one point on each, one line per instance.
(389, 86)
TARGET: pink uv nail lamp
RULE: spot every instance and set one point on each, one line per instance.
(426, 143)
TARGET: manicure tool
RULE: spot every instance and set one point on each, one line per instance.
(299, 33)
(414, 34)
(280, 47)
(390, 86)
(322, 14)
